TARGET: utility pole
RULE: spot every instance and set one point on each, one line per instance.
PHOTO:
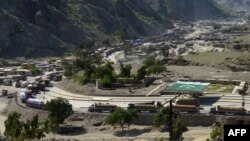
(170, 125)
(243, 104)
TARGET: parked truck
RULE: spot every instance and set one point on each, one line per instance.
(23, 97)
(228, 110)
(188, 101)
(102, 107)
(185, 109)
(157, 103)
(151, 107)
(4, 92)
(35, 103)
(144, 107)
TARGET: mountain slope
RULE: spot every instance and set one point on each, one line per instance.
(187, 9)
(51, 27)
(238, 5)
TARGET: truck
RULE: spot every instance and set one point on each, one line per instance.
(23, 97)
(151, 107)
(228, 110)
(157, 103)
(143, 107)
(35, 103)
(102, 107)
(185, 109)
(11, 95)
(4, 92)
(188, 101)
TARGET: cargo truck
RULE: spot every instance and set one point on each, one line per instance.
(188, 101)
(35, 103)
(101, 107)
(144, 107)
(228, 110)
(185, 109)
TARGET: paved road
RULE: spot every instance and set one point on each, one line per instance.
(81, 102)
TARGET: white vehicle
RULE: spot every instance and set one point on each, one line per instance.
(23, 84)
(23, 95)
(35, 103)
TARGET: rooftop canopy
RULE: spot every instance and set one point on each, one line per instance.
(187, 86)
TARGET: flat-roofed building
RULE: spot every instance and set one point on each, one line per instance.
(24, 72)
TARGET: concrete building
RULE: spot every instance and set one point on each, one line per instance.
(24, 72)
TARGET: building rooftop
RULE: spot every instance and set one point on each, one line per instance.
(187, 86)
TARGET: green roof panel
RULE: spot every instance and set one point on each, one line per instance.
(188, 86)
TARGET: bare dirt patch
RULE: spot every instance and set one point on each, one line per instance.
(90, 89)
(105, 132)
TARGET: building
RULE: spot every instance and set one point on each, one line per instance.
(181, 87)
(8, 71)
(24, 72)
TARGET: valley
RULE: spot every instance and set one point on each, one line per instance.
(131, 70)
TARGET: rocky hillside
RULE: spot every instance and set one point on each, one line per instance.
(187, 9)
(242, 5)
(51, 27)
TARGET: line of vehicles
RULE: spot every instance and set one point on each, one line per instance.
(25, 96)
(228, 110)
(181, 106)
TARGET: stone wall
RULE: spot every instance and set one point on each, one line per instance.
(188, 120)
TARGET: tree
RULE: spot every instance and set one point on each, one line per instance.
(178, 129)
(125, 70)
(35, 71)
(130, 116)
(150, 61)
(216, 133)
(19, 130)
(59, 109)
(141, 73)
(105, 70)
(33, 129)
(156, 69)
(13, 126)
(68, 69)
(162, 117)
(49, 126)
(106, 81)
(122, 117)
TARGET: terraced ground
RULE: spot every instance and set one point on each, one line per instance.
(216, 58)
